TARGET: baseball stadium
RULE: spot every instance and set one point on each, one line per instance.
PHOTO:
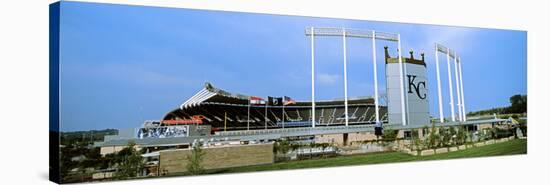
(237, 130)
(145, 92)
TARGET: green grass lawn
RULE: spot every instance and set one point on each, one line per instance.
(518, 146)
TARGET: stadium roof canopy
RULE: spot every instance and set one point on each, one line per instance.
(210, 94)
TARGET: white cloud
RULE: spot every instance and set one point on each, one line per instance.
(127, 74)
(327, 78)
(456, 38)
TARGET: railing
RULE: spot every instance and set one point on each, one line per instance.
(291, 130)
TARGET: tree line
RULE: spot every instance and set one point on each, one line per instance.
(518, 105)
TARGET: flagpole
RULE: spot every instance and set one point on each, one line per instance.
(248, 116)
(283, 112)
(265, 115)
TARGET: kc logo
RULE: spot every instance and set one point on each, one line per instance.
(416, 86)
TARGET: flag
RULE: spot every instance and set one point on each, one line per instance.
(256, 100)
(276, 101)
(287, 101)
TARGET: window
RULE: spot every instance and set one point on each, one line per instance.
(407, 134)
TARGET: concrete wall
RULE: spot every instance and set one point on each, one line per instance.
(113, 149)
(103, 175)
(484, 126)
(218, 157)
(338, 139)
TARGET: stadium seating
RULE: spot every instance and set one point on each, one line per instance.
(230, 111)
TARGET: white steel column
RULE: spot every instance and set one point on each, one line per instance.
(345, 76)
(440, 102)
(312, 78)
(406, 92)
(403, 116)
(462, 90)
(457, 89)
(375, 76)
(248, 116)
(265, 115)
(450, 86)
(283, 122)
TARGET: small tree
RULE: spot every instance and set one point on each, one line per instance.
(460, 135)
(494, 133)
(389, 136)
(294, 146)
(445, 139)
(425, 130)
(283, 146)
(129, 161)
(433, 137)
(486, 134)
(194, 160)
(452, 132)
(323, 147)
(416, 141)
(469, 138)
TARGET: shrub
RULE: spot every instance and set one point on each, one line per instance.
(194, 165)
(416, 143)
(129, 162)
(461, 136)
(445, 139)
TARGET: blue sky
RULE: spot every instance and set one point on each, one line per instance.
(121, 64)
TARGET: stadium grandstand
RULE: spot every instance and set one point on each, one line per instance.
(227, 111)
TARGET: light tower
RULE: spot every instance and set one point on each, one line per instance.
(356, 33)
(458, 81)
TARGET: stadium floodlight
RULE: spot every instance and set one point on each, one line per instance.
(440, 101)
(445, 50)
(375, 76)
(450, 86)
(356, 33)
(404, 98)
(401, 81)
(459, 84)
(345, 76)
(461, 89)
(458, 89)
(312, 77)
